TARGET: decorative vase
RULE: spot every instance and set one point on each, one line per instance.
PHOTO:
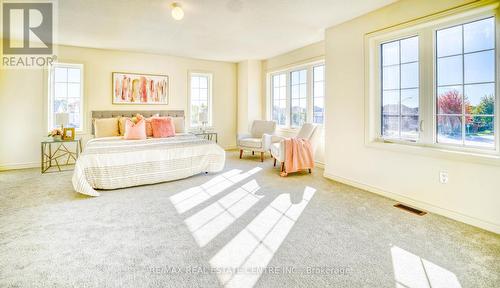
(57, 138)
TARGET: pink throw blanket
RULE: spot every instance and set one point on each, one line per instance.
(298, 155)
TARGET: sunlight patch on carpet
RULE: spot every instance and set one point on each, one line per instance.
(411, 270)
(192, 197)
(209, 222)
(241, 262)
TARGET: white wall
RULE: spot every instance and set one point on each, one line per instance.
(23, 96)
(310, 53)
(249, 93)
(473, 192)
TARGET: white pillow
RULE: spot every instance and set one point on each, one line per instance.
(179, 124)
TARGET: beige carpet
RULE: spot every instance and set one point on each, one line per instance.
(305, 231)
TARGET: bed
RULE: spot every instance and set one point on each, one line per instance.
(112, 162)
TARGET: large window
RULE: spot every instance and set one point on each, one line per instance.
(466, 84)
(435, 84)
(66, 94)
(318, 94)
(279, 98)
(200, 100)
(297, 95)
(400, 89)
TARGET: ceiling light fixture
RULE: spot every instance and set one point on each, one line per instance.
(177, 12)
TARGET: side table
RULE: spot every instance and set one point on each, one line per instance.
(56, 153)
(209, 135)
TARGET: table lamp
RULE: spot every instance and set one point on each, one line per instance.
(62, 119)
(203, 118)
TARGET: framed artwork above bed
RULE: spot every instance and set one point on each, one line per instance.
(131, 88)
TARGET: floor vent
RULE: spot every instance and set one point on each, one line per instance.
(410, 209)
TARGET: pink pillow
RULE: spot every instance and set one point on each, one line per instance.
(162, 127)
(135, 131)
(149, 128)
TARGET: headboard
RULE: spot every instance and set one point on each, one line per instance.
(132, 113)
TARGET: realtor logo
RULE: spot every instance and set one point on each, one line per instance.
(28, 33)
(27, 28)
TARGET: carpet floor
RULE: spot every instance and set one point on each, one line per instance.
(244, 227)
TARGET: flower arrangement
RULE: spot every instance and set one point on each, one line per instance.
(56, 134)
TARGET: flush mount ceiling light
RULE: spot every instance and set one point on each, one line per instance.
(177, 12)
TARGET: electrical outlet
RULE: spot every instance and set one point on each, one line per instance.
(443, 177)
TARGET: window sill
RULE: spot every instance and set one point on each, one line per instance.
(435, 151)
(201, 128)
(287, 130)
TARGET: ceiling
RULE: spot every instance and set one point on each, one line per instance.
(225, 30)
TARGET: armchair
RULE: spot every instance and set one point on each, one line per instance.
(307, 131)
(259, 139)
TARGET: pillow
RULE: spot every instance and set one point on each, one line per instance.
(149, 127)
(121, 125)
(179, 124)
(135, 131)
(149, 130)
(106, 127)
(162, 127)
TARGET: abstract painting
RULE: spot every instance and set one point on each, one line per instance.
(130, 88)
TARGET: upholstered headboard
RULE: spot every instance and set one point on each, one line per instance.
(132, 113)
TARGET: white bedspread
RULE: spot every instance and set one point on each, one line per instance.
(111, 163)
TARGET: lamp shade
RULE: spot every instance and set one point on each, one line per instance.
(177, 12)
(203, 117)
(62, 119)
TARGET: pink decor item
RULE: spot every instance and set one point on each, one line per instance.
(149, 128)
(162, 127)
(298, 155)
(135, 131)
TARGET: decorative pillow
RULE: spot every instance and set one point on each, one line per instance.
(121, 125)
(135, 131)
(149, 128)
(179, 124)
(137, 117)
(106, 127)
(162, 127)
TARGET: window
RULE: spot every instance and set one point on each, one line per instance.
(466, 84)
(279, 98)
(400, 89)
(434, 83)
(200, 100)
(66, 94)
(297, 95)
(318, 94)
(298, 88)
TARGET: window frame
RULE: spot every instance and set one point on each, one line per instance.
(286, 97)
(51, 95)
(451, 24)
(425, 28)
(308, 97)
(209, 75)
(313, 96)
(381, 93)
(309, 67)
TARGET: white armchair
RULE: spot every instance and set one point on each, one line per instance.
(307, 131)
(259, 139)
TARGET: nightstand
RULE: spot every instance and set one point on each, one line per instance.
(57, 153)
(209, 135)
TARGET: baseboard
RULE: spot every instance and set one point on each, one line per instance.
(419, 204)
(15, 166)
(230, 148)
(319, 164)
